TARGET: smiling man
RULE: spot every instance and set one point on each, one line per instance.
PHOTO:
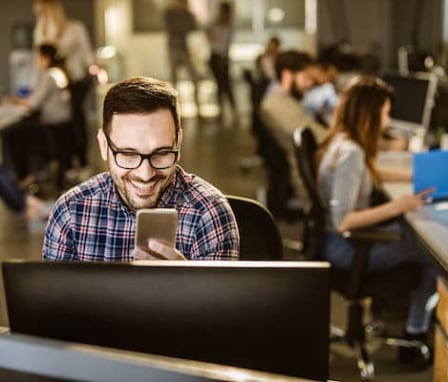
(140, 140)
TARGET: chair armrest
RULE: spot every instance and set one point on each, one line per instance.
(292, 245)
(372, 235)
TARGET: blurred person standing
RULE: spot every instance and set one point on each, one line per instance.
(72, 41)
(219, 35)
(265, 63)
(179, 22)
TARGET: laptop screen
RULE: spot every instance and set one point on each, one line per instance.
(430, 170)
(243, 314)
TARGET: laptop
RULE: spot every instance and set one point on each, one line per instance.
(242, 314)
(430, 169)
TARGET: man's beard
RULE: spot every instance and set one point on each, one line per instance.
(295, 92)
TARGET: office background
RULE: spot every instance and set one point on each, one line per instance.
(383, 25)
(370, 26)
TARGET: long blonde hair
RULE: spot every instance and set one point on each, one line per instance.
(358, 115)
(50, 21)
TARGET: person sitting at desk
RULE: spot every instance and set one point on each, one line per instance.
(140, 140)
(48, 104)
(281, 109)
(347, 176)
(322, 98)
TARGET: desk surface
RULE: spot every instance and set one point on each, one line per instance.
(430, 222)
(39, 357)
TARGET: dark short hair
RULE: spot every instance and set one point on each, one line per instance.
(140, 95)
(292, 60)
(49, 51)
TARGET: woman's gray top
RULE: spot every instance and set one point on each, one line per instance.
(344, 181)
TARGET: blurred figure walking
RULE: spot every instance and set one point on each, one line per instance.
(219, 35)
(179, 22)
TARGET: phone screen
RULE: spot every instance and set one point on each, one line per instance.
(156, 223)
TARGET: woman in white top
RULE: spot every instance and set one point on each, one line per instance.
(347, 176)
(72, 41)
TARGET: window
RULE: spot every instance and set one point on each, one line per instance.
(249, 15)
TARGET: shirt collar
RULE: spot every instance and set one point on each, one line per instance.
(168, 199)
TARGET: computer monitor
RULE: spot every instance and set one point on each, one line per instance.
(36, 359)
(267, 316)
(413, 100)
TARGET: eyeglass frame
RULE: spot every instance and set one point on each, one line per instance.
(116, 151)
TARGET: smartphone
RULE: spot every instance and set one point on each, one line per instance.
(156, 223)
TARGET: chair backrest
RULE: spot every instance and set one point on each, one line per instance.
(260, 237)
(305, 147)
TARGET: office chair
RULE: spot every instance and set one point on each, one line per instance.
(355, 284)
(59, 141)
(271, 156)
(260, 238)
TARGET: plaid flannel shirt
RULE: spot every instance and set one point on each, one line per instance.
(91, 223)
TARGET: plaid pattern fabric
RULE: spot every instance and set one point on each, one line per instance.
(90, 223)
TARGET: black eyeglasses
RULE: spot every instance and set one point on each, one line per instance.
(129, 160)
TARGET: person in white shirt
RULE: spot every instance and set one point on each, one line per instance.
(26, 147)
(72, 41)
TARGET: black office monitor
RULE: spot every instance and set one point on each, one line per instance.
(413, 100)
(268, 316)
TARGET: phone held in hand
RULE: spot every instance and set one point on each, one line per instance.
(156, 223)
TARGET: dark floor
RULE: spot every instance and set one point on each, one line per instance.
(215, 151)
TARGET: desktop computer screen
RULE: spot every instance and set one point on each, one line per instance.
(267, 316)
(413, 100)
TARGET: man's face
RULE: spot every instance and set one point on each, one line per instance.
(144, 134)
(302, 81)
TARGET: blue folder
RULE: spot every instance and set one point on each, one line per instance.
(431, 170)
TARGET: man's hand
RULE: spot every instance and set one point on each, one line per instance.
(157, 251)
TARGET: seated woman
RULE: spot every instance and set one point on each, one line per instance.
(347, 175)
(49, 103)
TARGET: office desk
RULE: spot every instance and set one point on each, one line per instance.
(430, 222)
(25, 357)
(430, 226)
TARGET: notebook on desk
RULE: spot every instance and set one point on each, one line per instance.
(430, 171)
